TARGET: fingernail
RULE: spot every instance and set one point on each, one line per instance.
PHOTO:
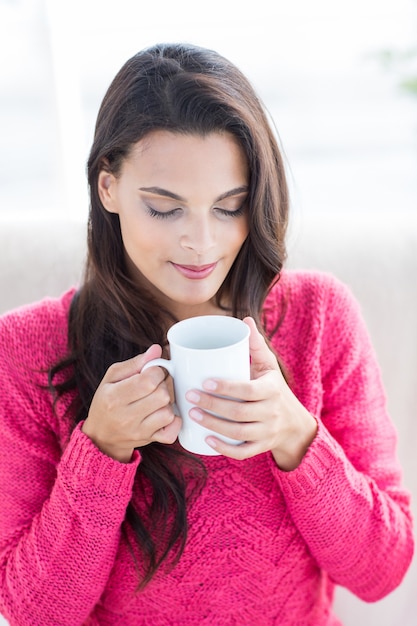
(192, 396)
(211, 442)
(210, 385)
(196, 415)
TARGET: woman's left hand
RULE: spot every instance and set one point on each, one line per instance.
(268, 416)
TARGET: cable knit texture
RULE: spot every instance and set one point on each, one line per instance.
(265, 547)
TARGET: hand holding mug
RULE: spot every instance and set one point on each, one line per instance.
(269, 417)
(131, 408)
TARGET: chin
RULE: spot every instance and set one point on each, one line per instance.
(204, 303)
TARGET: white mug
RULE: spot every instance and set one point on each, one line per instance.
(208, 346)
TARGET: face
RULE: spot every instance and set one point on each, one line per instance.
(181, 200)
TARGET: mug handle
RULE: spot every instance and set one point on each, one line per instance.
(168, 365)
(165, 363)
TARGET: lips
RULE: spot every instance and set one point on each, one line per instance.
(195, 272)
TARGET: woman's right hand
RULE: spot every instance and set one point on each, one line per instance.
(132, 409)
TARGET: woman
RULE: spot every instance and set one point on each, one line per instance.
(105, 519)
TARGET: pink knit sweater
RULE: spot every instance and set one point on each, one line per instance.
(265, 547)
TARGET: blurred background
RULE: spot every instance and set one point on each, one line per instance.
(337, 79)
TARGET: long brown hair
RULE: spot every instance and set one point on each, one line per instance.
(183, 89)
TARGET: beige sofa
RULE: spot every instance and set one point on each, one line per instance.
(376, 255)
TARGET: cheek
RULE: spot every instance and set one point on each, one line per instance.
(143, 237)
(240, 234)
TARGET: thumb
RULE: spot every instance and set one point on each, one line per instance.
(125, 369)
(153, 352)
(262, 358)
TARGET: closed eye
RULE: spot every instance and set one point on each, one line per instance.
(161, 214)
(235, 213)
(167, 214)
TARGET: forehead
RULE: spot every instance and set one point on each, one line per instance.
(174, 156)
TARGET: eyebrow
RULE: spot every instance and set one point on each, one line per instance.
(159, 191)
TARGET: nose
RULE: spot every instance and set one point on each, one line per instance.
(198, 236)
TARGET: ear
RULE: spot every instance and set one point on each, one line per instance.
(107, 188)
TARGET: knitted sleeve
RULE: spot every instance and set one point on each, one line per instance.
(346, 496)
(60, 514)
